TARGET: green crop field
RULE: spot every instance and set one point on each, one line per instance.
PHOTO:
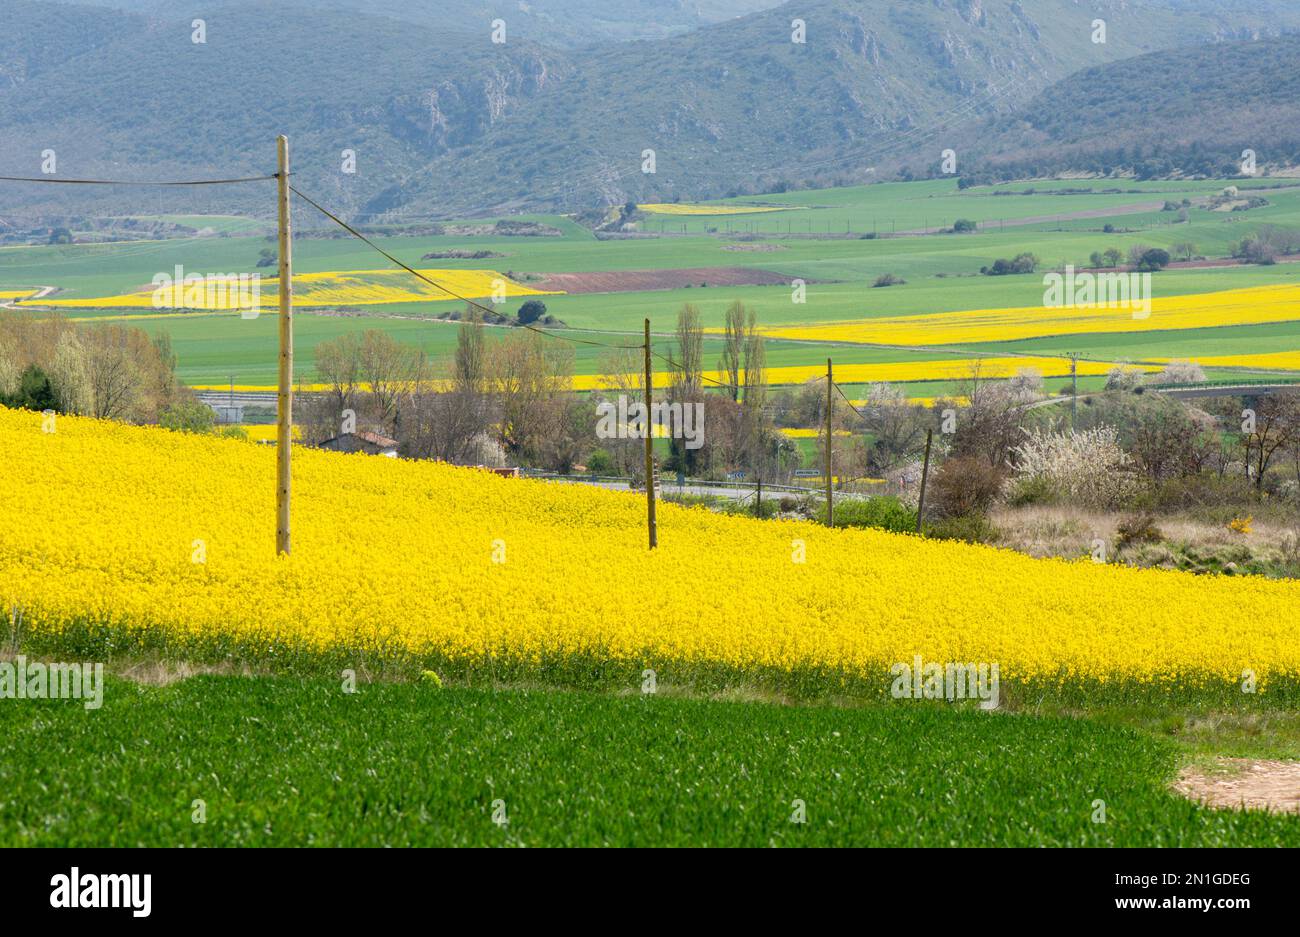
(940, 270)
(902, 206)
(731, 424)
(280, 761)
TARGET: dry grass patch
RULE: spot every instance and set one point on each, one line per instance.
(1244, 784)
(1069, 532)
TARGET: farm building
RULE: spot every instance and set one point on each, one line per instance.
(367, 442)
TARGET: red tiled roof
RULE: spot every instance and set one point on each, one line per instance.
(375, 439)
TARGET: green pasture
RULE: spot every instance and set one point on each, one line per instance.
(901, 206)
(223, 761)
(941, 273)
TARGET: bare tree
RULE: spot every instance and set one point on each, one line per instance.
(733, 344)
(530, 378)
(338, 364)
(1277, 425)
(623, 375)
(989, 415)
(387, 369)
(470, 355)
(755, 365)
(112, 376)
(69, 374)
(447, 425)
(688, 375)
(896, 427)
(687, 382)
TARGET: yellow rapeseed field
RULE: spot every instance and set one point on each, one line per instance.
(1201, 310)
(946, 369)
(1267, 361)
(266, 432)
(684, 208)
(107, 526)
(333, 288)
(796, 432)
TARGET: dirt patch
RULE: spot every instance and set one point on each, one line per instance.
(503, 229)
(165, 673)
(460, 254)
(636, 281)
(755, 248)
(1244, 783)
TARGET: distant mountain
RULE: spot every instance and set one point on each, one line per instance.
(554, 22)
(444, 122)
(1188, 111)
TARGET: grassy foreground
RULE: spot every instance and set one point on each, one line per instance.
(284, 761)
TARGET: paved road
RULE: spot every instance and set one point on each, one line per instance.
(1191, 390)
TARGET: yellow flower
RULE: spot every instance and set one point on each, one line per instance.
(334, 288)
(683, 208)
(1196, 311)
(144, 531)
(1241, 525)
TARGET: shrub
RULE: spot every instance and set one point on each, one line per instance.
(34, 391)
(965, 486)
(884, 512)
(1087, 468)
(973, 528)
(888, 279)
(1240, 525)
(1122, 377)
(1181, 372)
(1137, 528)
(1021, 263)
(1153, 259)
(1030, 490)
(600, 462)
(1203, 491)
(188, 417)
(531, 311)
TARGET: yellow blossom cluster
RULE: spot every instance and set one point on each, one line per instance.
(104, 525)
(1251, 306)
(685, 208)
(311, 290)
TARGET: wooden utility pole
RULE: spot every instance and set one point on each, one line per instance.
(649, 444)
(830, 498)
(1074, 388)
(284, 427)
(925, 476)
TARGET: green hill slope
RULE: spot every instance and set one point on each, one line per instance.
(446, 123)
(1191, 111)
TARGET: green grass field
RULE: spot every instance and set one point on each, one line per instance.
(903, 206)
(281, 761)
(941, 272)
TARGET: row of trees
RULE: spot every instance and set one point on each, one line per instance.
(100, 370)
(511, 400)
(1127, 445)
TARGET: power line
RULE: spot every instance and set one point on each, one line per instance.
(702, 376)
(450, 292)
(845, 398)
(128, 182)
